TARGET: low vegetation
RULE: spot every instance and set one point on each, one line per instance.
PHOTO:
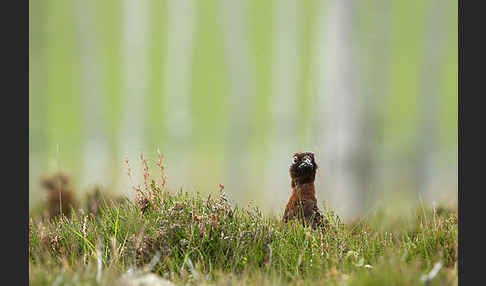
(190, 239)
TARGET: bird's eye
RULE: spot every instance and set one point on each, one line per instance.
(294, 160)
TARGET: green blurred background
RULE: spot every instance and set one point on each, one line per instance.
(228, 90)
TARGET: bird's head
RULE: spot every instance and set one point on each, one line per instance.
(303, 167)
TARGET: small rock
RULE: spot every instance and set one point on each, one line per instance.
(138, 278)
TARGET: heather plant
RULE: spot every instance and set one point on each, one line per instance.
(188, 238)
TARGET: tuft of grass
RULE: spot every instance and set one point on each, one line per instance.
(207, 236)
(204, 240)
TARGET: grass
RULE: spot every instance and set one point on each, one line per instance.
(190, 239)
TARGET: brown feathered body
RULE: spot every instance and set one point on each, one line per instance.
(60, 196)
(302, 204)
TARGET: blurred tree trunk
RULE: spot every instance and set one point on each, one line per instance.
(340, 108)
(242, 90)
(95, 161)
(283, 126)
(134, 51)
(157, 62)
(428, 145)
(180, 35)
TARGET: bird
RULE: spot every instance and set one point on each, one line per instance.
(60, 196)
(302, 204)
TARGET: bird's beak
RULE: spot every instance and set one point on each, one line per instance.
(306, 163)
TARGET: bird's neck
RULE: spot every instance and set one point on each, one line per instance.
(304, 190)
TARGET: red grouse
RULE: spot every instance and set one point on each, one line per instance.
(302, 204)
